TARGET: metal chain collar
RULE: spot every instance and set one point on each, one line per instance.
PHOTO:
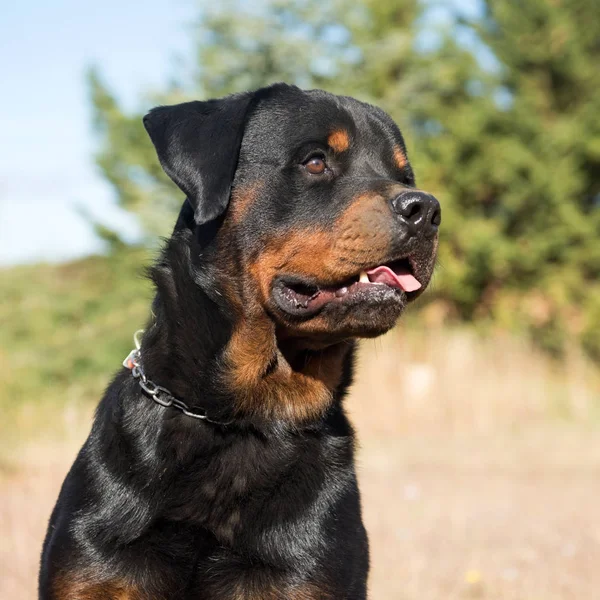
(158, 393)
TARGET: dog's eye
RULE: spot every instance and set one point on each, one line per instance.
(316, 165)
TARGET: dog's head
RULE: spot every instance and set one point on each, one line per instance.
(321, 225)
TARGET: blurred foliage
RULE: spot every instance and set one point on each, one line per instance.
(64, 329)
(76, 308)
(500, 111)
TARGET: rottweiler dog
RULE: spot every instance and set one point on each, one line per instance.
(220, 461)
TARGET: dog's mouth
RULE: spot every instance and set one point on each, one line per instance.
(392, 281)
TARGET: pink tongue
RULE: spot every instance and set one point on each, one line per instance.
(402, 278)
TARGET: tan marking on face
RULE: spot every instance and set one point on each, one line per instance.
(242, 199)
(304, 251)
(400, 158)
(254, 368)
(339, 140)
(360, 237)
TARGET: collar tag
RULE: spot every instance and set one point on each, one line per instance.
(159, 394)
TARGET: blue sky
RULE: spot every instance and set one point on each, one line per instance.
(46, 149)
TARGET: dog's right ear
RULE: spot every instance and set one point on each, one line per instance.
(198, 145)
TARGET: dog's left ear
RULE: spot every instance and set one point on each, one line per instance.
(198, 145)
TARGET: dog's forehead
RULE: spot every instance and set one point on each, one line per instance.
(291, 117)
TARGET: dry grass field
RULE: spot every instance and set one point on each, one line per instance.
(479, 465)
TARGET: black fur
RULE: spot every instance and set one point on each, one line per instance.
(182, 134)
(159, 505)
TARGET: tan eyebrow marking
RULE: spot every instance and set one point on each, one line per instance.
(400, 158)
(339, 140)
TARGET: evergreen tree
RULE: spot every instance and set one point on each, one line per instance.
(523, 168)
(510, 145)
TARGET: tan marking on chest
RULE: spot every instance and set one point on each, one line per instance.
(74, 586)
(304, 591)
(264, 383)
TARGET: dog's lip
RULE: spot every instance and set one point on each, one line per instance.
(302, 296)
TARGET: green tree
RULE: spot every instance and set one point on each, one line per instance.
(524, 175)
(510, 145)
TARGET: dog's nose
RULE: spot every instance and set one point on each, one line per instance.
(419, 211)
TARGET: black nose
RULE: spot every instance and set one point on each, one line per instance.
(420, 211)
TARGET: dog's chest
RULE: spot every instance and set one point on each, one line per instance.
(217, 491)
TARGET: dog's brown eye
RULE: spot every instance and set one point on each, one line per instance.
(315, 165)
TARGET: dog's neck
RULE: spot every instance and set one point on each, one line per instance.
(228, 363)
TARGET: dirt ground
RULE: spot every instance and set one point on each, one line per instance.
(479, 466)
(508, 517)
(478, 518)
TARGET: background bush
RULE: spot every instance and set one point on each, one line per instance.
(500, 109)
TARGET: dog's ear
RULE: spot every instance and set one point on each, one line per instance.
(198, 145)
